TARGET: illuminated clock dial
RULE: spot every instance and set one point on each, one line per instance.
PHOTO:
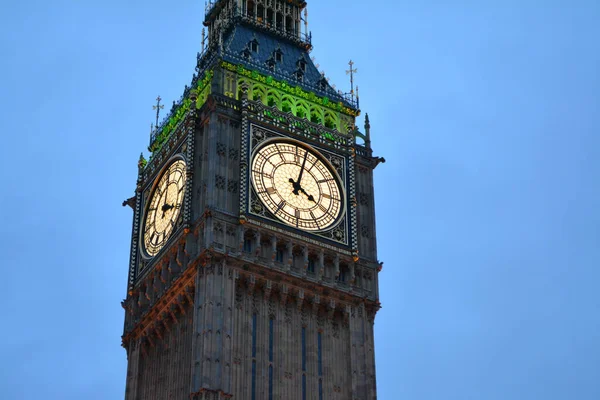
(164, 208)
(297, 185)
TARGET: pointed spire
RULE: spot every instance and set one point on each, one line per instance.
(367, 131)
(351, 72)
(141, 163)
(306, 21)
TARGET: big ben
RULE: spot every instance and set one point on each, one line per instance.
(253, 271)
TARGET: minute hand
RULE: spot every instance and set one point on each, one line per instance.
(302, 168)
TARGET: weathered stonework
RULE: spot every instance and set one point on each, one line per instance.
(237, 305)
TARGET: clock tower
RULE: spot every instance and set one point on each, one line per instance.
(253, 271)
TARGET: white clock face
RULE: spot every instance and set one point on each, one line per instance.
(297, 185)
(164, 209)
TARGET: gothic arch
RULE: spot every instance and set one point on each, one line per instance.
(273, 98)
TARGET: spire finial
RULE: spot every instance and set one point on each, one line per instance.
(367, 131)
(306, 21)
(203, 39)
(351, 72)
(141, 163)
(158, 107)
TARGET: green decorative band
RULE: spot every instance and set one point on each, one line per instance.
(202, 90)
(293, 90)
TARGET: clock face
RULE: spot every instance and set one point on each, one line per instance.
(297, 185)
(164, 208)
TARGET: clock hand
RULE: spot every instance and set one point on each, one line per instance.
(166, 207)
(302, 168)
(296, 184)
(308, 196)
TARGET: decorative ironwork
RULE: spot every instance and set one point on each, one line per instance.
(339, 231)
(351, 72)
(179, 111)
(293, 90)
(158, 107)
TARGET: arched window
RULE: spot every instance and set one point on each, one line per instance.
(250, 9)
(260, 13)
(278, 55)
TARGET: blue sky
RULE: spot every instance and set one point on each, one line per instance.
(488, 114)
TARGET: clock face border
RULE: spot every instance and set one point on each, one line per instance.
(338, 233)
(320, 158)
(148, 197)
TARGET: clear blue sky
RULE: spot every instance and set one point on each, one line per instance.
(488, 114)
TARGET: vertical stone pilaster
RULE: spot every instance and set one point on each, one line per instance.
(197, 334)
(133, 362)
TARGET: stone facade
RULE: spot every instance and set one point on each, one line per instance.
(236, 305)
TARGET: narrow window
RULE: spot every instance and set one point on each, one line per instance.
(278, 56)
(319, 355)
(303, 349)
(247, 245)
(311, 266)
(303, 387)
(271, 322)
(271, 382)
(254, 46)
(253, 380)
(320, 389)
(253, 356)
(271, 340)
(253, 335)
(279, 255)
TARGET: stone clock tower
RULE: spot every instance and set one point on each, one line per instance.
(253, 271)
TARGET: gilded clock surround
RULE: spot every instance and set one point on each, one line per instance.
(297, 184)
(334, 228)
(164, 207)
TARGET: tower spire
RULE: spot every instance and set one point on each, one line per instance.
(158, 107)
(306, 21)
(351, 72)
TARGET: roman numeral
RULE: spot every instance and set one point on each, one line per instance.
(314, 219)
(280, 206)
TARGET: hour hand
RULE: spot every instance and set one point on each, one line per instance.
(296, 186)
(308, 196)
(165, 208)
